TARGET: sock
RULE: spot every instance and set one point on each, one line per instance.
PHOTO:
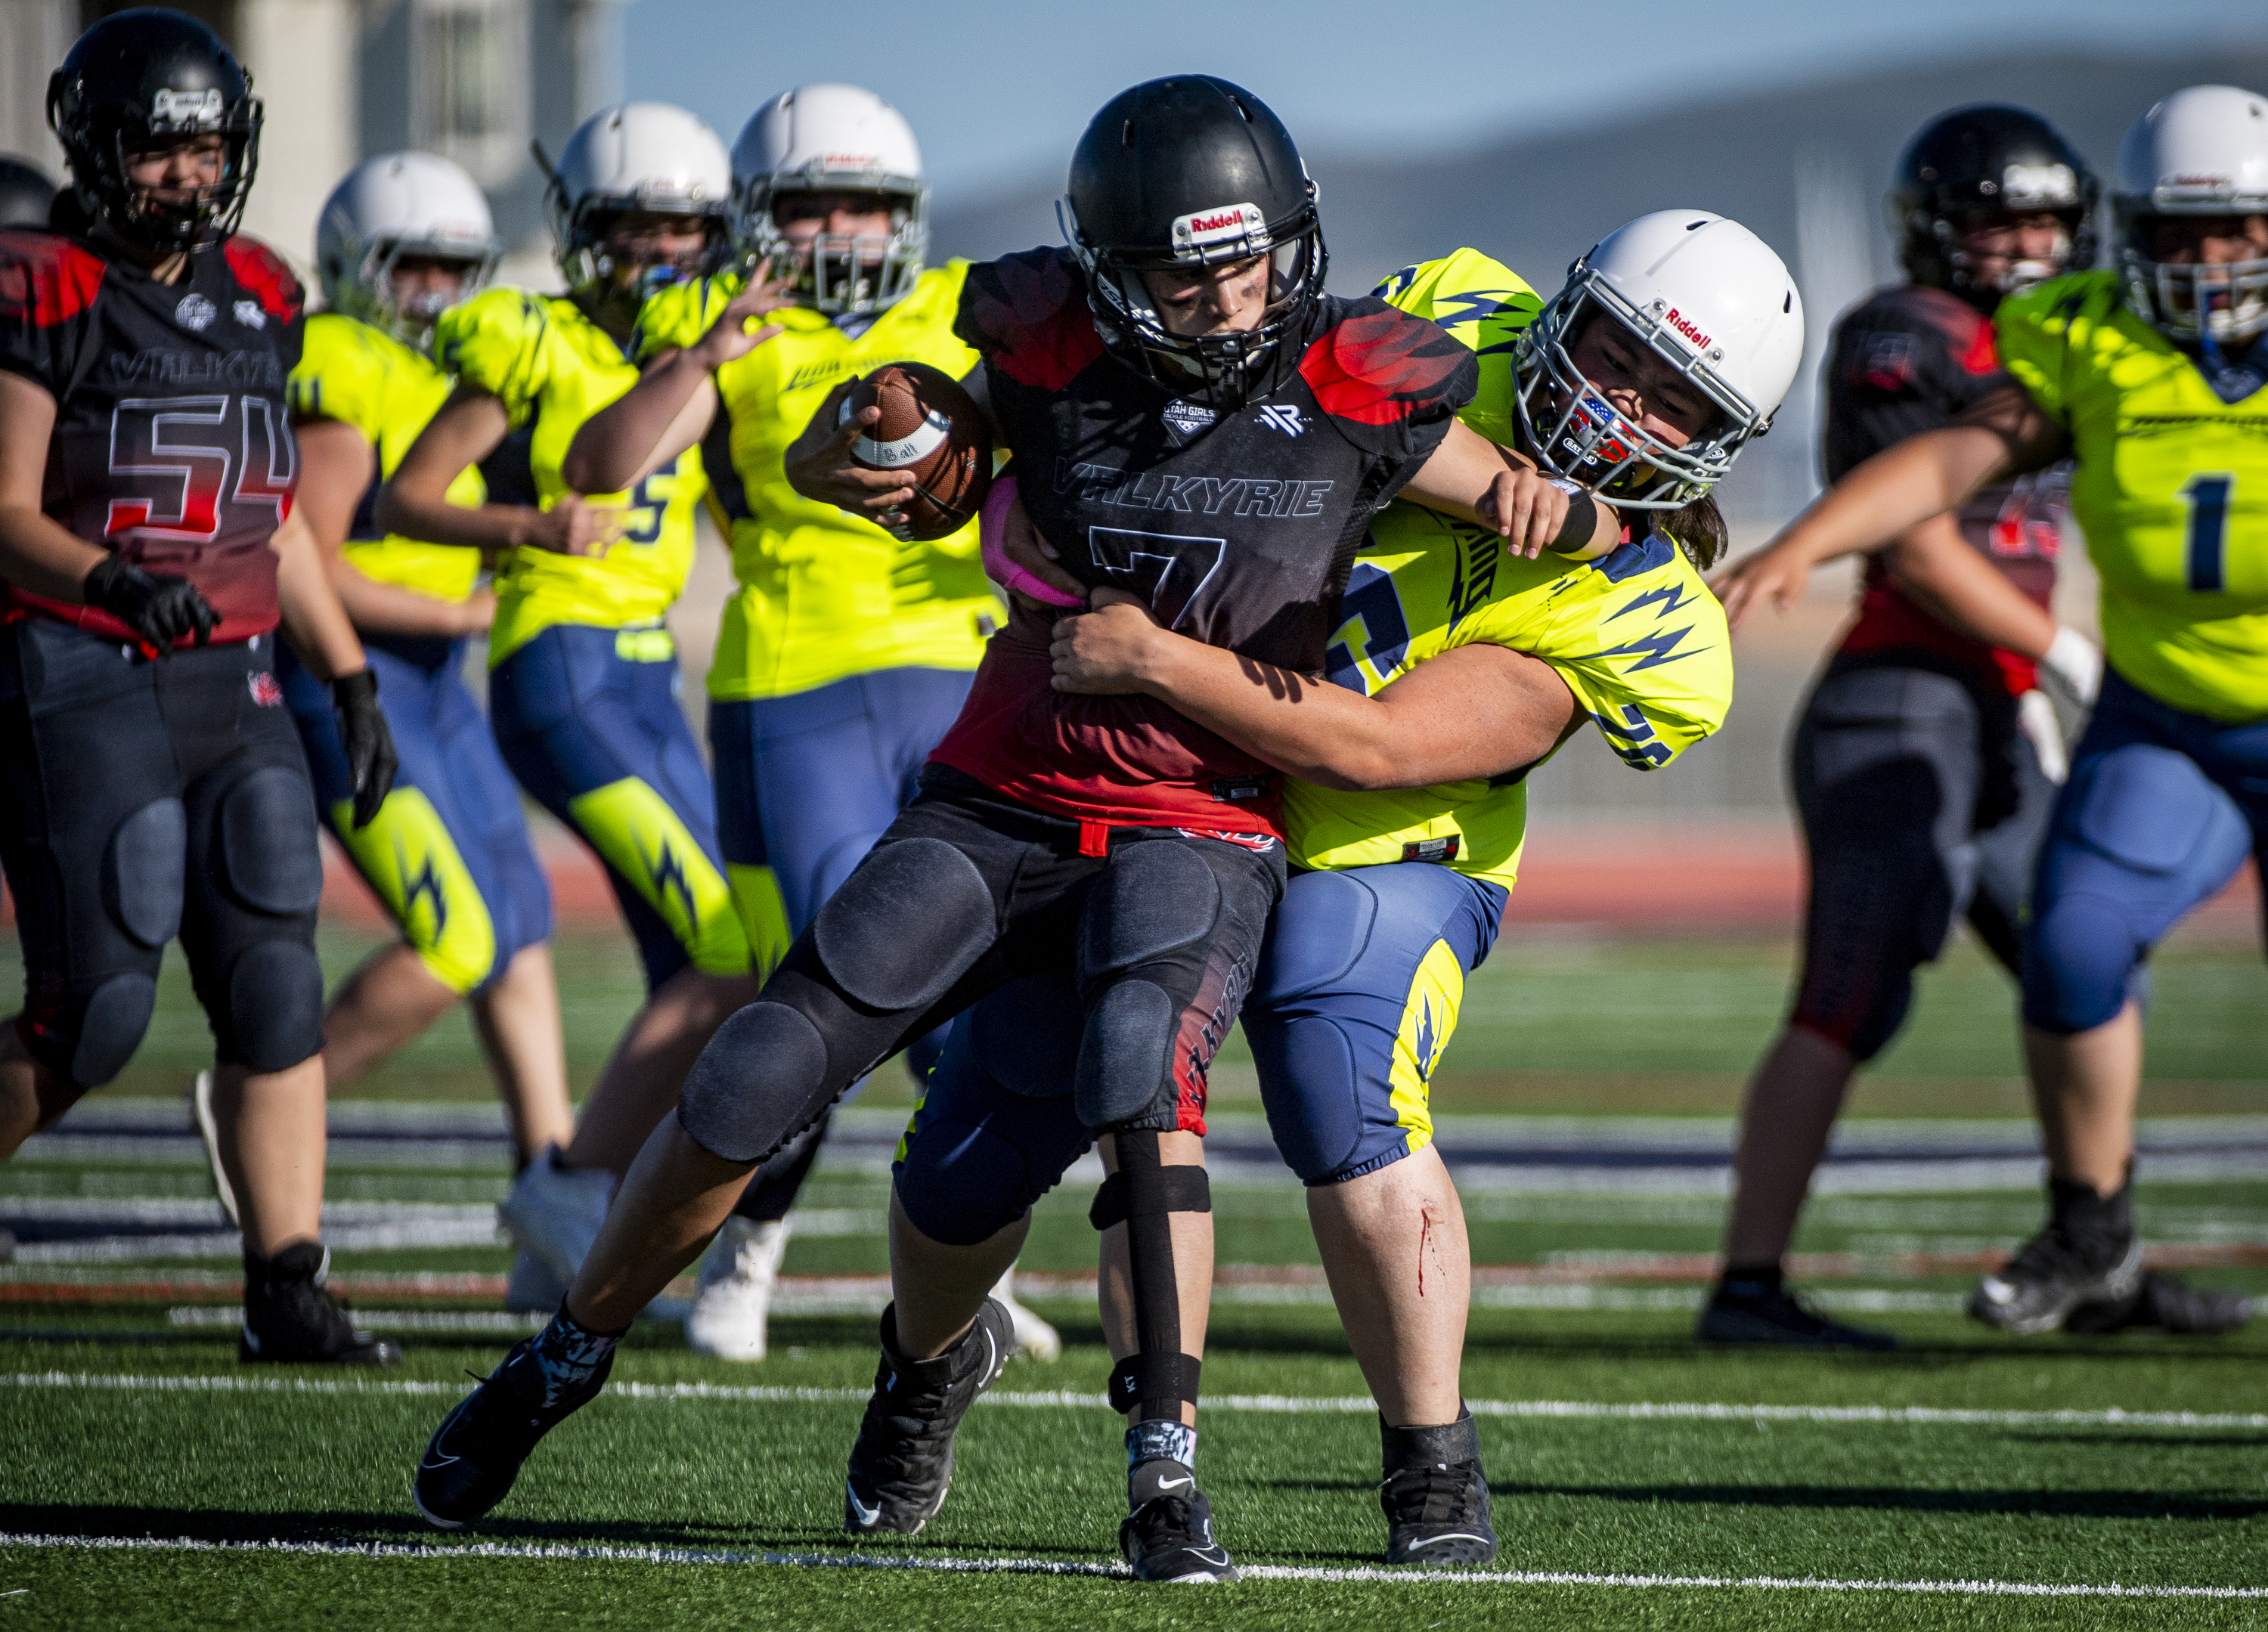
(567, 1354)
(1161, 1460)
(1745, 1283)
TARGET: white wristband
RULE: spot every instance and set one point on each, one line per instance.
(2076, 662)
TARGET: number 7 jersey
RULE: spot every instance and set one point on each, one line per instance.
(2170, 487)
(171, 441)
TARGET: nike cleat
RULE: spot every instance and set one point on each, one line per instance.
(731, 1312)
(2164, 1302)
(291, 1320)
(1035, 1338)
(902, 1465)
(1168, 1536)
(2055, 1274)
(1435, 1497)
(554, 1213)
(1774, 1315)
(476, 1452)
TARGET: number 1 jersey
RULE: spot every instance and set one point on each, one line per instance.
(171, 444)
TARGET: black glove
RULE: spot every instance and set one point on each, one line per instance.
(370, 758)
(160, 609)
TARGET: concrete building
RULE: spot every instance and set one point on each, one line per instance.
(473, 79)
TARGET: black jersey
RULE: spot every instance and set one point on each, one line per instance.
(1239, 529)
(172, 445)
(1910, 359)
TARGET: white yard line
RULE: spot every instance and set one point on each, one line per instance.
(1284, 1404)
(949, 1565)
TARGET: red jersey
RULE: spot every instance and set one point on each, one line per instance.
(1238, 528)
(173, 442)
(1910, 359)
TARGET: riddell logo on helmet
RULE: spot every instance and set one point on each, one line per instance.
(1684, 327)
(848, 161)
(187, 105)
(1224, 223)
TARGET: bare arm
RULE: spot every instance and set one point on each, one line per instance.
(1894, 492)
(314, 621)
(470, 426)
(1936, 567)
(336, 464)
(1478, 711)
(1473, 479)
(36, 553)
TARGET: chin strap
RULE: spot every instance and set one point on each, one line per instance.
(1143, 1195)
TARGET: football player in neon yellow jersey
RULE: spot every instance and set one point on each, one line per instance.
(401, 239)
(1457, 665)
(583, 687)
(845, 652)
(2148, 375)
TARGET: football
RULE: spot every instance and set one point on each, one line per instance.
(930, 428)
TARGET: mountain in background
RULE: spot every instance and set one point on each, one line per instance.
(1804, 164)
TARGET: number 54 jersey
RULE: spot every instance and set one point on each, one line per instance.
(171, 444)
(2171, 487)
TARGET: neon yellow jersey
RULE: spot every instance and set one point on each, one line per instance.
(553, 368)
(2170, 485)
(823, 595)
(364, 376)
(1636, 634)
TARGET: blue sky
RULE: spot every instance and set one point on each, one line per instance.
(999, 91)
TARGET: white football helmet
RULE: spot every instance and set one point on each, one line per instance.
(828, 138)
(643, 156)
(2202, 151)
(1706, 294)
(395, 205)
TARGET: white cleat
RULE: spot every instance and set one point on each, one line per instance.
(1035, 1338)
(554, 1213)
(726, 1322)
(201, 1108)
(531, 1287)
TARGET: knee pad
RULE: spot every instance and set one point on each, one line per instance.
(1125, 1057)
(1144, 1195)
(961, 1183)
(2081, 957)
(268, 843)
(1027, 1034)
(142, 882)
(1308, 1077)
(906, 925)
(274, 1007)
(110, 1029)
(1153, 899)
(753, 1088)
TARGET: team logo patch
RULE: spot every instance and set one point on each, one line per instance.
(1185, 421)
(1229, 224)
(2038, 187)
(265, 691)
(1888, 362)
(1284, 418)
(249, 314)
(195, 313)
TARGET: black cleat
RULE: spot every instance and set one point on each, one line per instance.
(902, 1465)
(2167, 1304)
(1435, 1497)
(1773, 1315)
(289, 1320)
(2088, 1254)
(475, 1454)
(1168, 1536)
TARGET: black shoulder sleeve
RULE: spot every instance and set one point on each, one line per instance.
(47, 287)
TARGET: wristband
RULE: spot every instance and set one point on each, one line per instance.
(1582, 518)
(998, 567)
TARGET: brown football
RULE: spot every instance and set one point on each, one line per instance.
(930, 428)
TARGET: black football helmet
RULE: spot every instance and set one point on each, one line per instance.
(1182, 174)
(135, 78)
(1983, 160)
(25, 193)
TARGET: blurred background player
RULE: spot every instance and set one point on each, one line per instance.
(151, 784)
(1924, 761)
(404, 237)
(1401, 889)
(27, 193)
(583, 682)
(845, 652)
(2149, 376)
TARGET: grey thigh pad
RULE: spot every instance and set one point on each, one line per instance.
(1154, 898)
(267, 842)
(906, 924)
(145, 878)
(274, 1007)
(754, 1082)
(1123, 1059)
(111, 1028)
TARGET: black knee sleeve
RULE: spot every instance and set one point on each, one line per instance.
(1143, 1195)
(1156, 903)
(757, 1084)
(275, 1015)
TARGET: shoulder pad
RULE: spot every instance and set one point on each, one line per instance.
(265, 277)
(481, 338)
(1026, 315)
(1378, 365)
(45, 278)
(674, 317)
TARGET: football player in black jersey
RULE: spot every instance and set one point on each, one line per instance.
(151, 782)
(1218, 431)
